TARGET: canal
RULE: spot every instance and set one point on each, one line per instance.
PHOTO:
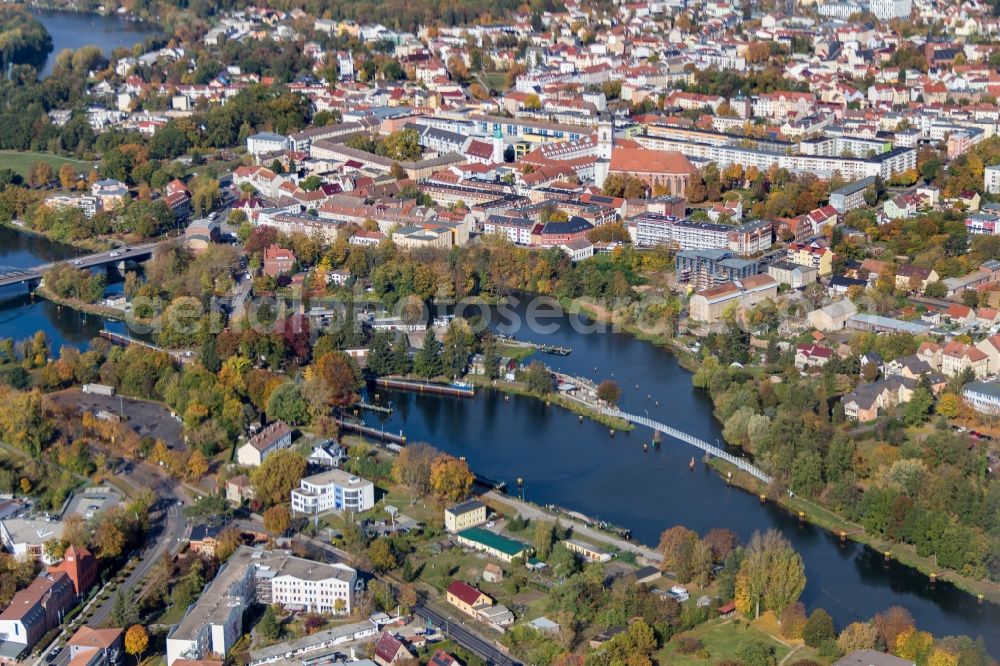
(579, 466)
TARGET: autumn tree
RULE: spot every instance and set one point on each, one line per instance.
(67, 176)
(382, 555)
(771, 574)
(136, 641)
(676, 546)
(277, 520)
(197, 465)
(277, 475)
(40, 174)
(450, 478)
(412, 467)
(609, 391)
(339, 376)
(857, 636)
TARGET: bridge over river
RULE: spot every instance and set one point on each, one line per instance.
(736, 461)
(11, 276)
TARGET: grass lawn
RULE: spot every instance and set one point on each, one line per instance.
(21, 161)
(722, 638)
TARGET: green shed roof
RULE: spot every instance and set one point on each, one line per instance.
(494, 541)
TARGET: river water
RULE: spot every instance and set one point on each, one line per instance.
(579, 466)
(72, 30)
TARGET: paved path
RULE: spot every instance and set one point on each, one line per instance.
(535, 512)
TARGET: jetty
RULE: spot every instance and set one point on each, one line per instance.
(459, 389)
(373, 433)
(373, 408)
(554, 350)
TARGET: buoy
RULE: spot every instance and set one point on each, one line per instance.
(506, 397)
(636, 387)
(581, 418)
(980, 598)
(763, 498)
(843, 536)
(376, 397)
(888, 555)
(645, 447)
(933, 579)
(802, 516)
(691, 464)
(612, 432)
(729, 478)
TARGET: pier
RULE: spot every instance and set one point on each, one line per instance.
(554, 350)
(373, 433)
(740, 463)
(460, 390)
(373, 408)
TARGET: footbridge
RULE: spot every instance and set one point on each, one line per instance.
(736, 461)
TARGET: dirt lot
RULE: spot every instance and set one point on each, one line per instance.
(146, 418)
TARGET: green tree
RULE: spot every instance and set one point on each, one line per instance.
(755, 652)
(819, 628)
(538, 378)
(124, 611)
(382, 555)
(427, 362)
(544, 538)
(286, 403)
(380, 360)
(772, 575)
(269, 627)
(456, 349)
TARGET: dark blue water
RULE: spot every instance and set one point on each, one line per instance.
(579, 466)
(21, 316)
(72, 30)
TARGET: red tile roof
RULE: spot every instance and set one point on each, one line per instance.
(464, 592)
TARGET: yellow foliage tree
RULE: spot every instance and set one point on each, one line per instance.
(743, 600)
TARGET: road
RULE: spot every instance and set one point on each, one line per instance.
(168, 531)
(88, 261)
(453, 627)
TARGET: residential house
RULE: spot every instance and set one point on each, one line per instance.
(239, 489)
(960, 315)
(866, 401)
(466, 598)
(278, 260)
(957, 356)
(813, 255)
(389, 649)
(494, 545)
(987, 318)
(915, 278)
(872, 658)
(931, 353)
(204, 539)
(812, 356)
(991, 347)
(276, 436)
(465, 515)
(984, 397)
(97, 647)
(327, 454)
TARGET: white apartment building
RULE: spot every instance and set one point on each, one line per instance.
(308, 586)
(886, 10)
(88, 204)
(214, 623)
(884, 165)
(991, 177)
(516, 229)
(273, 438)
(334, 490)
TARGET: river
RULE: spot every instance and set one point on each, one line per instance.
(72, 30)
(579, 466)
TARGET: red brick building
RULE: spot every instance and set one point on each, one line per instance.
(80, 566)
(278, 260)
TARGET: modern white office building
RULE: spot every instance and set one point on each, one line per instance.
(334, 490)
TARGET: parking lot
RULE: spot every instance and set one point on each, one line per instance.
(151, 419)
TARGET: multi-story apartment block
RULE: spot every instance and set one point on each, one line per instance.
(272, 438)
(214, 623)
(334, 490)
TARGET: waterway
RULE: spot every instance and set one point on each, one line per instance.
(72, 30)
(579, 466)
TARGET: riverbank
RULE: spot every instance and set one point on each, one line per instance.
(87, 244)
(567, 403)
(82, 306)
(796, 506)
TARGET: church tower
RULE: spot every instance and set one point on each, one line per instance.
(605, 145)
(498, 145)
